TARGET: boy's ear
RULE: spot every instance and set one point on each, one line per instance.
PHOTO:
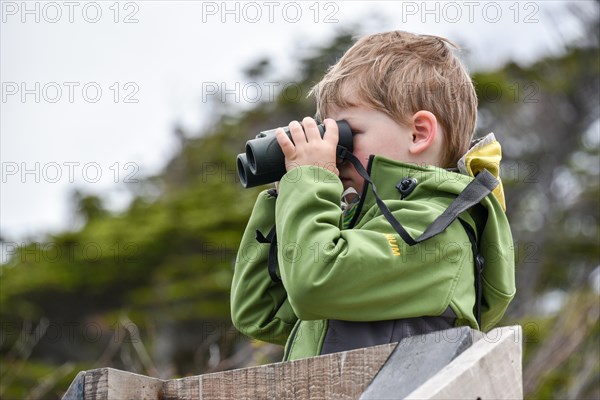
(424, 130)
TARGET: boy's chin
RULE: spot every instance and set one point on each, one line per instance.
(346, 183)
(349, 184)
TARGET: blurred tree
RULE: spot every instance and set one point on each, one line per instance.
(547, 116)
(88, 207)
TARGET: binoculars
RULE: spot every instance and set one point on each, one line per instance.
(264, 162)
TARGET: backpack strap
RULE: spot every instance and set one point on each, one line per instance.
(478, 263)
(271, 238)
(474, 192)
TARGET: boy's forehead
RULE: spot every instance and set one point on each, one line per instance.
(347, 98)
(351, 95)
(349, 113)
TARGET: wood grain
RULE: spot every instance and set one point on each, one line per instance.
(490, 368)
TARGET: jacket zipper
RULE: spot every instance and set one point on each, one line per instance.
(291, 341)
(363, 195)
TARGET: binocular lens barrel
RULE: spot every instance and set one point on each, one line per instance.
(264, 153)
(248, 179)
(264, 161)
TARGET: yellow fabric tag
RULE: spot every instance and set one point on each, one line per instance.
(488, 157)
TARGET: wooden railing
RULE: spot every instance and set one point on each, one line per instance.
(454, 364)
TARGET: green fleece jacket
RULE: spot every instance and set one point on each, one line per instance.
(365, 272)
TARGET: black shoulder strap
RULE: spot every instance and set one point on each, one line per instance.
(271, 238)
(476, 190)
(478, 263)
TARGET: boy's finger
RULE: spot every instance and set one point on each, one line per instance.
(284, 142)
(331, 131)
(297, 133)
(310, 129)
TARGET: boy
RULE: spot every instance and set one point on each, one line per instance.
(403, 257)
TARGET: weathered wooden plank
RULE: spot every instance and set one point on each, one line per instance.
(416, 359)
(490, 369)
(112, 384)
(182, 389)
(75, 390)
(341, 376)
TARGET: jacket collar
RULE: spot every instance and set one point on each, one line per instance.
(387, 174)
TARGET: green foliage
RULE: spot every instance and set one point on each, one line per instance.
(561, 352)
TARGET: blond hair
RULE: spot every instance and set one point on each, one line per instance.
(400, 73)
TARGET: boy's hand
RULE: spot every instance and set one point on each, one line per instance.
(308, 148)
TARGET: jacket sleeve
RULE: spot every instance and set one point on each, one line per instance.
(259, 306)
(366, 273)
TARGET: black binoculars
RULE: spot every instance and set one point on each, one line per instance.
(264, 162)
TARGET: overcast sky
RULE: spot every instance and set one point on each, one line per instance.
(91, 90)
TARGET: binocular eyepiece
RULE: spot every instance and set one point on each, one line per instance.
(264, 162)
